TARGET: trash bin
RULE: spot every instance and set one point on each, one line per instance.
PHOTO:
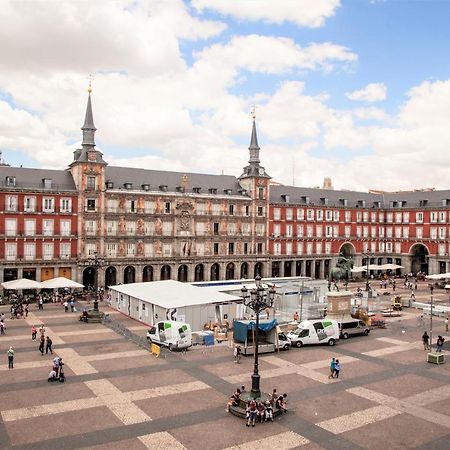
(435, 358)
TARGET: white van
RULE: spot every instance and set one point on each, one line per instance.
(320, 331)
(172, 334)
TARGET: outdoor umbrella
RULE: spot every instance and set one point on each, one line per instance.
(60, 282)
(22, 283)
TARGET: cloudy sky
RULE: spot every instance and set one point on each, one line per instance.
(358, 90)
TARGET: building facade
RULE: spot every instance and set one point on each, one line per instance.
(143, 225)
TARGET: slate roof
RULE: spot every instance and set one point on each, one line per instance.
(156, 178)
(317, 196)
(33, 178)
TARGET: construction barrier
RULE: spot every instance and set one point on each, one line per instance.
(155, 349)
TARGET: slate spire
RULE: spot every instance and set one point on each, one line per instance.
(89, 127)
(254, 147)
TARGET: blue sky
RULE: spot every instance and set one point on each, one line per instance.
(354, 90)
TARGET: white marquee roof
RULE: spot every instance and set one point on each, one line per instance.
(173, 294)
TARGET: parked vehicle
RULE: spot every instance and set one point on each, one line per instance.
(322, 331)
(172, 334)
(284, 342)
(353, 327)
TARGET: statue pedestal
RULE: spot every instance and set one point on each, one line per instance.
(339, 306)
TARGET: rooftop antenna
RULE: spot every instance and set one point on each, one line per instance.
(293, 170)
(253, 111)
(90, 78)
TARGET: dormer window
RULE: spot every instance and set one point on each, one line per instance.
(423, 202)
(109, 185)
(362, 203)
(47, 183)
(377, 204)
(343, 201)
(10, 181)
(179, 189)
(305, 199)
(324, 201)
(285, 198)
(227, 191)
(128, 186)
(146, 187)
(196, 190)
(212, 190)
(445, 202)
(163, 187)
(243, 191)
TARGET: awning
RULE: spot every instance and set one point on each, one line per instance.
(60, 282)
(21, 283)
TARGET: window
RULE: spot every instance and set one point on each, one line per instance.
(406, 217)
(111, 249)
(11, 203)
(90, 205)
(245, 248)
(216, 209)
(48, 204)
(327, 248)
(318, 248)
(329, 231)
(91, 227)
(64, 227)
(373, 217)
(309, 248)
(309, 231)
(231, 210)
(348, 216)
(130, 227)
(10, 181)
(442, 216)
(276, 214)
(29, 250)
(261, 193)
(166, 207)
(245, 229)
(111, 227)
(231, 229)
(433, 233)
(200, 208)
(319, 230)
(299, 248)
(200, 228)
(365, 216)
(310, 214)
(419, 232)
(260, 229)
(300, 214)
(65, 205)
(47, 183)
(398, 217)
(260, 211)
(406, 232)
(433, 217)
(299, 230)
(336, 215)
(276, 230)
(289, 214)
(347, 231)
(148, 249)
(289, 230)
(398, 247)
(328, 215)
(277, 248)
(64, 250)
(373, 232)
(149, 206)
(200, 248)
(247, 210)
(112, 205)
(259, 248)
(231, 248)
(91, 249)
(216, 228)
(29, 204)
(47, 250)
(10, 251)
(131, 248)
(288, 248)
(91, 183)
(442, 232)
(47, 227)
(167, 228)
(389, 217)
(398, 232)
(149, 228)
(381, 232)
(10, 227)
(319, 214)
(132, 206)
(441, 249)
(30, 227)
(216, 248)
(389, 232)
(358, 216)
(419, 217)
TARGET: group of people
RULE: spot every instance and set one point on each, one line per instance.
(19, 310)
(335, 368)
(57, 372)
(44, 342)
(388, 282)
(258, 411)
(427, 345)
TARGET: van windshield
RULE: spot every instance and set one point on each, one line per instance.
(301, 332)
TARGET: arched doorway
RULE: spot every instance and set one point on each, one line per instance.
(258, 270)
(419, 260)
(229, 274)
(147, 274)
(275, 269)
(110, 276)
(129, 275)
(199, 272)
(298, 268)
(165, 272)
(244, 270)
(347, 250)
(215, 272)
(183, 273)
(89, 277)
(288, 268)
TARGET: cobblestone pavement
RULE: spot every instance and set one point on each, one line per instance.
(119, 396)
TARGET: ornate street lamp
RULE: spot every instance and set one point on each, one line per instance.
(96, 263)
(258, 300)
(367, 255)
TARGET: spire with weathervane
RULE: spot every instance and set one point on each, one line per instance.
(88, 152)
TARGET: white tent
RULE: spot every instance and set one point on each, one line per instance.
(60, 282)
(438, 276)
(22, 283)
(390, 267)
(357, 269)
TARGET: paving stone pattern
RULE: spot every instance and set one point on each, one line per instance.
(119, 396)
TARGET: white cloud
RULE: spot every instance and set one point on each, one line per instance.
(306, 13)
(373, 92)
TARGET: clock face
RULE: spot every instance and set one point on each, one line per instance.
(261, 171)
(91, 156)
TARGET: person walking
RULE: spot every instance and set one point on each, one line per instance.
(332, 367)
(33, 333)
(41, 302)
(426, 341)
(48, 346)
(439, 344)
(10, 354)
(2, 327)
(337, 368)
(237, 354)
(66, 306)
(42, 344)
(26, 310)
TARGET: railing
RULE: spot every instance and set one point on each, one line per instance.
(119, 328)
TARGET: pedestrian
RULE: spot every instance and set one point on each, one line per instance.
(296, 316)
(446, 324)
(10, 354)
(332, 367)
(439, 344)
(413, 297)
(42, 330)
(237, 354)
(426, 340)
(66, 306)
(33, 333)
(48, 346)
(393, 285)
(42, 344)
(337, 368)
(2, 327)
(26, 310)
(41, 302)
(72, 306)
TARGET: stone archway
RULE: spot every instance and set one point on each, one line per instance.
(147, 274)
(215, 272)
(129, 275)
(229, 274)
(259, 267)
(244, 270)
(89, 277)
(165, 272)
(419, 258)
(110, 276)
(183, 273)
(199, 274)
(347, 249)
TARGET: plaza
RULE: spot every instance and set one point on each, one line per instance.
(118, 395)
